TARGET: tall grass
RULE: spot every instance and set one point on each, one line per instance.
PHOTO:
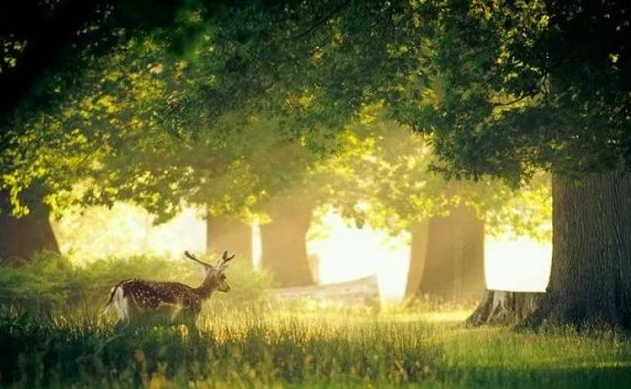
(237, 351)
(291, 349)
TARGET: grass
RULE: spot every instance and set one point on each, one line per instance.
(258, 348)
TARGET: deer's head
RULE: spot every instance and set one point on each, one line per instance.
(215, 273)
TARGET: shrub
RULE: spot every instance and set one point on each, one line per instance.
(51, 282)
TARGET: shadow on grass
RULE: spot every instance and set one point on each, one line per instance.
(548, 377)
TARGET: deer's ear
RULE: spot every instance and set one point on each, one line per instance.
(230, 257)
(225, 255)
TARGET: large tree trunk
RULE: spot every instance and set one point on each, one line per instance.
(418, 251)
(590, 277)
(225, 234)
(21, 237)
(284, 243)
(454, 263)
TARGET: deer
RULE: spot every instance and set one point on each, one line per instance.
(136, 299)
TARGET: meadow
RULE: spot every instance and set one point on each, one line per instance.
(263, 348)
(243, 341)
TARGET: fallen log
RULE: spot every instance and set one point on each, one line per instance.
(504, 307)
(361, 292)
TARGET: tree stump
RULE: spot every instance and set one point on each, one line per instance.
(504, 307)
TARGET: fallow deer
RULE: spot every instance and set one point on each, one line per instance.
(135, 299)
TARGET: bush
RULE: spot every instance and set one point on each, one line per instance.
(50, 282)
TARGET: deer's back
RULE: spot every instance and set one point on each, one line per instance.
(152, 294)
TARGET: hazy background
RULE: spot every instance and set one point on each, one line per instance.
(342, 252)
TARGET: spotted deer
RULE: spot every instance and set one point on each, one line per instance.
(136, 299)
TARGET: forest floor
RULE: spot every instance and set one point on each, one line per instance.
(306, 350)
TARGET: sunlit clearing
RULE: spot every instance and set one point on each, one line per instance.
(347, 253)
(185, 232)
(341, 252)
(447, 316)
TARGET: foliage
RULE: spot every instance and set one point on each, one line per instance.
(50, 282)
(39, 39)
(383, 175)
(530, 85)
(143, 124)
(488, 80)
(275, 349)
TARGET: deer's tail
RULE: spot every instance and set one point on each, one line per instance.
(109, 301)
(112, 294)
(111, 298)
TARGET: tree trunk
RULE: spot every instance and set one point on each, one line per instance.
(21, 237)
(454, 263)
(418, 250)
(590, 277)
(225, 234)
(504, 307)
(284, 243)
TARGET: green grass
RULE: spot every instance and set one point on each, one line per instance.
(261, 348)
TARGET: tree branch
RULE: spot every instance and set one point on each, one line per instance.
(322, 20)
(522, 97)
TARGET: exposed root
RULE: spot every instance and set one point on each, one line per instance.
(504, 307)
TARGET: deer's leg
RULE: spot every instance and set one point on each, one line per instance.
(177, 313)
(190, 321)
(189, 318)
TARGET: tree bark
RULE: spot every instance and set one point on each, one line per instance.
(21, 237)
(225, 234)
(284, 243)
(418, 251)
(454, 263)
(590, 277)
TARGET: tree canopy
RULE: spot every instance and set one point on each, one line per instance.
(138, 103)
(531, 85)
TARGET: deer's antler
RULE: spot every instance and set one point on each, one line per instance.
(223, 262)
(192, 257)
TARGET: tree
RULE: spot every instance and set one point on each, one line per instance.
(546, 85)
(21, 237)
(418, 255)
(591, 244)
(224, 233)
(454, 259)
(382, 176)
(111, 126)
(46, 48)
(283, 241)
